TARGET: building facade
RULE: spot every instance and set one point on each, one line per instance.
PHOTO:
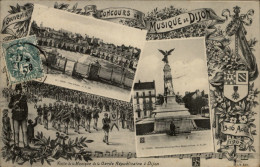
(144, 99)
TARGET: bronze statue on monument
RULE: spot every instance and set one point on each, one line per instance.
(168, 86)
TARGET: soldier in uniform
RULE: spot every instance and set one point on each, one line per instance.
(88, 116)
(122, 117)
(50, 111)
(66, 118)
(95, 117)
(53, 113)
(82, 113)
(39, 113)
(59, 116)
(107, 105)
(77, 118)
(72, 115)
(45, 116)
(100, 104)
(106, 127)
(18, 104)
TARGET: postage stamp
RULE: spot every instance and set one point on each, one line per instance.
(22, 60)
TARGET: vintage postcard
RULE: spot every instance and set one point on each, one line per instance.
(87, 54)
(67, 96)
(170, 97)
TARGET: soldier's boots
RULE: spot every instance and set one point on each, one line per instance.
(107, 140)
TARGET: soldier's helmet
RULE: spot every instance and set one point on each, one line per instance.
(50, 104)
(44, 104)
(40, 105)
(105, 114)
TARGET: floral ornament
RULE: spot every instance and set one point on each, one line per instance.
(226, 59)
(251, 96)
(217, 98)
(233, 120)
(242, 119)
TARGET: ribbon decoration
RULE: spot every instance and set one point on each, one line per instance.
(14, 18)
(236, 129)
(183, 20)
(173, 23)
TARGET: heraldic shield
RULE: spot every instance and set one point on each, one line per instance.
(235, 85)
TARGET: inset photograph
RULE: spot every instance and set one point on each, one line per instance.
(170, 99)
(87, 54)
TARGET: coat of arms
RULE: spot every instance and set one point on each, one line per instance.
(235, 85)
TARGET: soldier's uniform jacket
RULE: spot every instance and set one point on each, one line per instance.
(100, 105)
(39, 111)
(66, 115)
(19, 109)
(89, 114)
(106, 122)
(45, 112)
(77, 113)
(83, 112)
(72, 112)
(96, 113)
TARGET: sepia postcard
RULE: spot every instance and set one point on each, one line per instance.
(95, 95)
(170, 98)
(87, 54)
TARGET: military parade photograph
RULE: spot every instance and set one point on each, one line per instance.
(43, 116)
(170, 99)
(87, 54)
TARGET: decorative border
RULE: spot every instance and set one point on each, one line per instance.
(221, 59)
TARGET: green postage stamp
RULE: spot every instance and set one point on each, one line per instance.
(22, 59)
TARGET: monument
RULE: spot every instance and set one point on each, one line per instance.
(170, 110)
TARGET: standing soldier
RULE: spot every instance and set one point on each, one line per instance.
(18, 104)
(107, 105)
(122, 117)
(66, 118)
(50, 112)
(77, 117)
(82, 115)
(72, 116)
(88, 119)
(45, 116)
(39, 113)
(95, 117)
(54, 112)
(106, 122)
(100, 104)
(59, 116)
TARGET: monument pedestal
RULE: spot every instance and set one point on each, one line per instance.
(172, 111)
(171, 108)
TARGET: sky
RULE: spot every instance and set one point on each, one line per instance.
(109, 32)
(187, 61)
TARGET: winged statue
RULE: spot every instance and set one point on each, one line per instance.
(166, 54)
